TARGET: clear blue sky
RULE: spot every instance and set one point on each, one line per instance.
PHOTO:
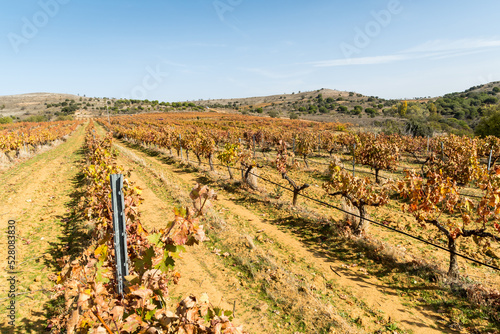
(174, 50)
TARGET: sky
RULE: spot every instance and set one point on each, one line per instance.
(172, 50)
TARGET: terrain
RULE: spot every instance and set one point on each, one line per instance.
(281, 269)
(458, 113)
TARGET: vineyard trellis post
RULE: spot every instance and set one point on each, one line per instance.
(489, 160)
(180, 145)
(353, 158)
(427, 145)
(442, 151)
(254, 146)
(242, 168)
(119, 229)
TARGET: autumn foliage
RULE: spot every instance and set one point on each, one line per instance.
(87, 283)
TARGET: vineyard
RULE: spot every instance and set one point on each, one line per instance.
(29, 137)
(240, 224)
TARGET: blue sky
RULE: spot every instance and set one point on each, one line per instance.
(199, 49)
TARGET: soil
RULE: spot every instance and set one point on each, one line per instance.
(261, 261)
(35, 194)
(374, 293)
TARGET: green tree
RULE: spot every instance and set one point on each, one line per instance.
(403, 108)
(489, 125)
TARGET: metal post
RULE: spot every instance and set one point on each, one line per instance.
(120, 231)
(180, 144)
(254, 146)
(442, 151)
(353, 158)
(489, 160)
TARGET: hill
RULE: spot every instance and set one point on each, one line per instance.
(457, 113)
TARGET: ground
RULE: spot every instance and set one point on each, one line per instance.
(277, 268)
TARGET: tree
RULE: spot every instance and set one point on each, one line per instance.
(342, 108)
(305, 145)
(403, 107)
(377, 152)
(436, 200)
(489, 126)
(281, 165)
(360, 192)
(432, 107)
(490, 100)
(229, 156)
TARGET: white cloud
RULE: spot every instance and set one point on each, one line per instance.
(436, 49)
(449, 45)
(359, 61)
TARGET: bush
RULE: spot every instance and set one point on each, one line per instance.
(342, 109)
(64, 118)
(36, 118)
(294, 116)
(273, 113)
(6, 119)
(489, 126)
(370, 111)
(418, 128)
(490, 100)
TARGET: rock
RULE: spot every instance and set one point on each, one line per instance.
(249, 242)
(264, 307)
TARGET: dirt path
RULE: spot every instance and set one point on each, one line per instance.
(374, 293)
(35, 194)
(202, 271)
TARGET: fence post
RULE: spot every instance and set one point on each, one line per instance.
(254, 146)
(120, 231)
(180, 144)
(489, 160)
(442, 151)
(427, 152)
(353, 158)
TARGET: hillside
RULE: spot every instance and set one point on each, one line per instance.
(457, 113)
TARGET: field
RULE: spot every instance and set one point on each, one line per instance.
(274, 267)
